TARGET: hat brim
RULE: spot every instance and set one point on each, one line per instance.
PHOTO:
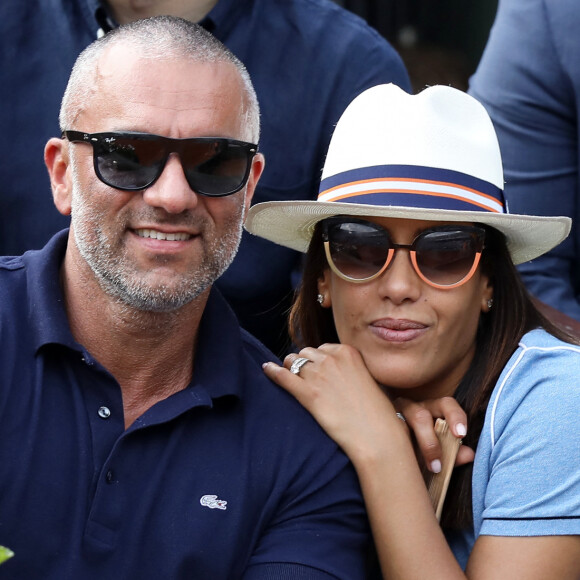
(291, 223)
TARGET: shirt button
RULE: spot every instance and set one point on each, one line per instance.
(104, 412)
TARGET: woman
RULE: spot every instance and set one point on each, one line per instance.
(410, 294)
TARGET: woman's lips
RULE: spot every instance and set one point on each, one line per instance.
(398, 330)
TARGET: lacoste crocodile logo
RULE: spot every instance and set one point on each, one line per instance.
(212, 502)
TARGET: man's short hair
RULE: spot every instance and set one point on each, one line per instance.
(160, 37)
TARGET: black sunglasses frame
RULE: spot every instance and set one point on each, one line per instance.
(478, 233)
(101, 141)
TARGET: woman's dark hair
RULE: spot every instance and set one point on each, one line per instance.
(499, 332)
(309, 324)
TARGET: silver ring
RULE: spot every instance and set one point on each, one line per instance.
(298, 364)
(401, 416)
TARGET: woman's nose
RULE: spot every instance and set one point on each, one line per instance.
(400, 282)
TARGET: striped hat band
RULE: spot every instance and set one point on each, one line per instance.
(412, 186)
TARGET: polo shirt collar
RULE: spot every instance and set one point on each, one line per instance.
(219, 371)
(219, 361)
(47, 313)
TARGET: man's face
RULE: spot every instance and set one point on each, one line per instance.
(123, 236)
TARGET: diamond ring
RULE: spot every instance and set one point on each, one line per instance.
(298, 364)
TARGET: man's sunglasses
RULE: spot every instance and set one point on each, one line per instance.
(444, 257)
(133, 161)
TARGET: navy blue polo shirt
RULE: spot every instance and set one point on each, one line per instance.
(225, 479)
(307, 58)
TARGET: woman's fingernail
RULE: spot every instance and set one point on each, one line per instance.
(265, 365)
(436, 466)
(461, 429)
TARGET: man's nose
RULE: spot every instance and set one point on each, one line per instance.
(171, 191)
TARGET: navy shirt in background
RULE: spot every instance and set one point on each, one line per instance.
(528, 79)
(228, 478)
(307, 58)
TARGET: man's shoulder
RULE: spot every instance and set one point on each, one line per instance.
(327, 10)
(35, 261)
(29, 286)
(273, 402)
(344, 46)
(255, 349)
(255, 354)
(12, 279)
(10, 263)
(313, 17)
(13, 300)
(65, 15)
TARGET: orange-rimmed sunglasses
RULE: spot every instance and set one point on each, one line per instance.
(444, 257)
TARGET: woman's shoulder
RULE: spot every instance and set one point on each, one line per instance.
(539, 348)
(541, 374)
(542, 338)
(529, 439)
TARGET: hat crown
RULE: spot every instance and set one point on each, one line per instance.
(441, 128)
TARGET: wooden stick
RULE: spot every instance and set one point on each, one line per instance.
(437, 483)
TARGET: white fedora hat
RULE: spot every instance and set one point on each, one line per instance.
(431, 156)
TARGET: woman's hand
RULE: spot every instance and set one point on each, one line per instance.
(338, 390)
(420, 417)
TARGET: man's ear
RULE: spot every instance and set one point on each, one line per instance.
(258, 164)
(56, 159)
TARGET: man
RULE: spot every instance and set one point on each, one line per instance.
(139, 437)
(307, 58)
(529, 81)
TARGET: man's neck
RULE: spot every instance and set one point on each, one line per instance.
(150, 354)
(125, 11)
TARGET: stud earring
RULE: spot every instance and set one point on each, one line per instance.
(320, 299)
(490, 303)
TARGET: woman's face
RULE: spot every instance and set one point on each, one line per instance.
(416, 340)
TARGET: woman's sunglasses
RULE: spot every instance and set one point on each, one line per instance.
(444, 257)
(133, 161)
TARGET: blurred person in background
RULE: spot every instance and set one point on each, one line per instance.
(529, 81)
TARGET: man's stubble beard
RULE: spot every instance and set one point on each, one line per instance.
(121, 280)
